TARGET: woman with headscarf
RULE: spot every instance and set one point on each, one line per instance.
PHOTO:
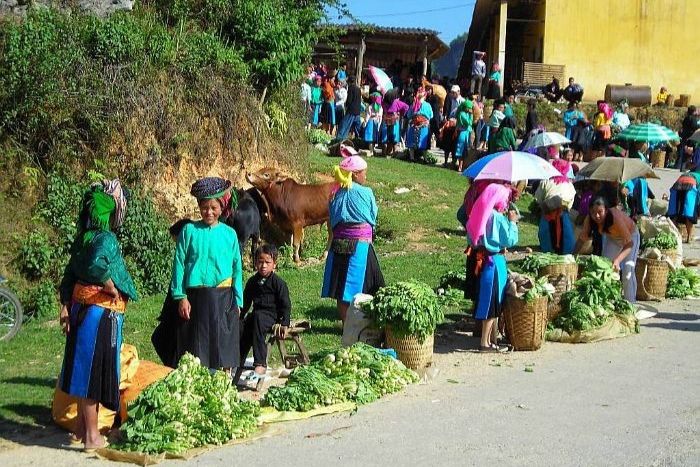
(684, 201)
(328, 106)
(555, 197)
(207, 281)
(494, 87)
(419, 114)
(393, 110)
(504, 138)
(601, 122)
(620, 241)
(351, 265)
(463, 132)
(316, 102)
(489, 232)
(341, 95)
(373, 119)
(95, 290)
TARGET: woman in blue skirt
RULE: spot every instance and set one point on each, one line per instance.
(373, 119)
(418, 134)
(684, 202)
(351, 265)
(489, 233)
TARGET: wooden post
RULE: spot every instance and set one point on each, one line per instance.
(360, 59)
(503, 18)
(425, 57)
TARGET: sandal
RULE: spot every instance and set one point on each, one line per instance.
(488, 349)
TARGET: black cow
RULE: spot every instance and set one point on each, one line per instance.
(246, 221)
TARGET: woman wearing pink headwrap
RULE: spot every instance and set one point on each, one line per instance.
(601, 122)
(489, 232)
(351, 265)
(555, 197)
(418, 134)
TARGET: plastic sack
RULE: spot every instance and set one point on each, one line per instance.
(271, 415)
(147, 374)
(650, 227)
(359, 328)
(617, 326)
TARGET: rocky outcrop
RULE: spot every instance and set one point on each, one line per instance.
(97, 7)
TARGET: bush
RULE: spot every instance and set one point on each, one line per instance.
(36, 255)
(40, 301)
(143, 238)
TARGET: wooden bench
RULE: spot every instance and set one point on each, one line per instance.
(299, 356)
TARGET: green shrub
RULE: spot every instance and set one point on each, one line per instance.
(36, 255)
(120, 38)
(40, 301)
(203, 49)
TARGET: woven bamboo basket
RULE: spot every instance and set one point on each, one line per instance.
(562, 277)
(652, 278)
(658, 158)
(412, 353)
(671, 254)
(525, 322)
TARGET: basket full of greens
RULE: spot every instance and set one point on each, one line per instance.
(409, 312)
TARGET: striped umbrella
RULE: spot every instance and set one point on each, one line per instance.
(511, 166)
(647, 132)
(546, 138)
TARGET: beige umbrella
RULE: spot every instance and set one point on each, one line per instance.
(616, 169)
(695, 137)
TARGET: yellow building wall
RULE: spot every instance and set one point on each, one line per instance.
(643, 42)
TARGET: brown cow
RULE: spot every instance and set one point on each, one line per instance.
(291, 205)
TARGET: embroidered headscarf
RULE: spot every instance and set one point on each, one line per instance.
(376, 100)
(495, 196)
(418, 99)
(103, 208)
(563, 166)
(214, 188)
(343, 172)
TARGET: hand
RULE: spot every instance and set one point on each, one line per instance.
(616, 265)
(111, 290)
(64, 319)
(280, 331)
(513, 216)
(184, 308)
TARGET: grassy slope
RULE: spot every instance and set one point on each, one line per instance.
(419, 238)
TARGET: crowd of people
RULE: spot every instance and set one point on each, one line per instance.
(209, 313)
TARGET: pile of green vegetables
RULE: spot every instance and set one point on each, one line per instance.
(541, 288)
(532, 263)
(360, 373)
(411, 309)
(683, 283)
(317, 136)
(663, 241)
(598, 267)
(190, 407)
(590, 304)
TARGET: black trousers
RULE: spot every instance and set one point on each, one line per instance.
(255, 327)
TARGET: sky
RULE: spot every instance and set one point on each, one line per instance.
(449, 17)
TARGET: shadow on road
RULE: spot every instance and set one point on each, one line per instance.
(40, 431)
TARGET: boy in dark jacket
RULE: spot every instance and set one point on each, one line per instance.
(268, 296)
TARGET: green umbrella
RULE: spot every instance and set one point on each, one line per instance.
(647, 132)
(616, 169)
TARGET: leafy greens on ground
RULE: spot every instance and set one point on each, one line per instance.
(190, 407)
(683, 283)
(359, 373)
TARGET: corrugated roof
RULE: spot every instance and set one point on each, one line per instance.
(388, 29)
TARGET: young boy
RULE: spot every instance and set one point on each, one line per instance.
(268, 295)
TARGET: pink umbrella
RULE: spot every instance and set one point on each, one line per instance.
(381, 78)
(511, 166)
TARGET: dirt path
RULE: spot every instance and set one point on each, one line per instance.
(630, 401)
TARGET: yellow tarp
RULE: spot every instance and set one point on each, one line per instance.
(271, 415)
(617, 326)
